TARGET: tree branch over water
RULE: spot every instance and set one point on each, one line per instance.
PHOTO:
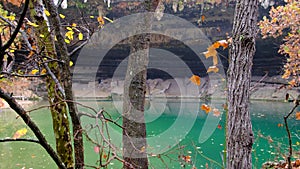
(23, 114)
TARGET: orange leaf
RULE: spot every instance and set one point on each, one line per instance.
(206, 108)
(219, 126)
(223, 43)
(16, 2)
(196, 80)
(213, 69)
(280, 125)
(100, 20)
(202, 18)
(298, 115)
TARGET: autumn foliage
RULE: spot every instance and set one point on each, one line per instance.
(285, 20)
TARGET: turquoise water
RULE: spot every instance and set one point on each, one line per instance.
(174, 128)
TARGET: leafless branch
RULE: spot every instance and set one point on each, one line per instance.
(19, 139)
(60, 88)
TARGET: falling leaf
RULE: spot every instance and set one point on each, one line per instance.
(62, 16)
(196, 80)
(298, 115)
(206, 108)
(213, 69)
(216, 112)
(20, 133)
(47, 13)
(71, 64)
(96, 149)
(80, 36)
(100, 20)
(34, 71)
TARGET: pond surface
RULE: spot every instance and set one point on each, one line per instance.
(174, 128)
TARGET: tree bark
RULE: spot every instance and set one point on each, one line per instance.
(67, 83)
(239, 128)
(134, 132)
(58, 106)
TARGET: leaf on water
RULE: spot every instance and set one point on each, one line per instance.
(214, 69)
(219, 126)
(216, 112)
(206, 108)
(96, 149)
(196, 80)
(280, 125)
(298, 115)
(20, 133)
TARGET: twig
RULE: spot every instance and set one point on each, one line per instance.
(19, 139)
(289, 134)
(55, 80)
(23, 114)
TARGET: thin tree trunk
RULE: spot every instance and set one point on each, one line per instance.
(134, 133)
(58, 107)
(67, 83)
(240, 136)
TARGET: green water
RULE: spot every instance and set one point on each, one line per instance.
(173, 129)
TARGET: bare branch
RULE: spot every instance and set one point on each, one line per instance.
(55, 80)
(19, 139)
(35, 129)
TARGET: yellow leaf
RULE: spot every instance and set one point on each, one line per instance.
(32, 24)
(42, 36)
(71, 63)
(80, 36)
(20, 133)
(74, 24)
(11, 50)
(92, 17)
(34, 71)
(67, 41)
(196, 80)
(47, 12)
(213, 69)
(206, 108)
(69, 34)
(69, 28)
(62, 16)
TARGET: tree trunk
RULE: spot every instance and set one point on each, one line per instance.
(67, 83)
(58, 107)
(239, 128)
(134, 133)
